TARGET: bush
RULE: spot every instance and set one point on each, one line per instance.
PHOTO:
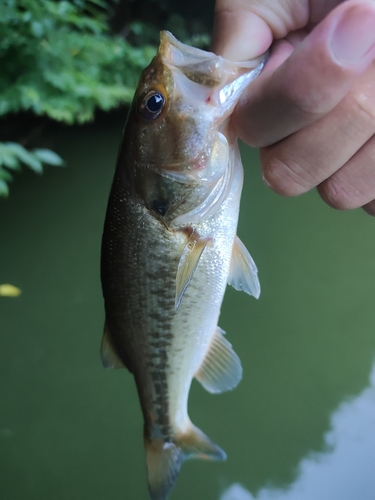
(59, 60)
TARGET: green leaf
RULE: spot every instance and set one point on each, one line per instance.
(49, 157)
(37, 29)
(13, 154)
(25, 156)
(8, 157)
(4, 190)
(5, 175)
(34, 163)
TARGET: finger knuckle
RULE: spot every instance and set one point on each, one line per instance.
(364, 107)
(338, 195)
(311, 105)
(284, 177)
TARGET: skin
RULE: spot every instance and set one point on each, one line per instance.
(312, 110)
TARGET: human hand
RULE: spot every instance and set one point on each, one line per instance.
(312, 110)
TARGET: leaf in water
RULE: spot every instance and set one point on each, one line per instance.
(7, 290)
(49, 157)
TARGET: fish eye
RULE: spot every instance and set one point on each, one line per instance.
(152, 105)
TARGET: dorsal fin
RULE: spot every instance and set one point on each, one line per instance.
(110, 359)
(221, 369)
(243, 273)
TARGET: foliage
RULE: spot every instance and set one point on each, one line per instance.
(60, 61)
(12, 155)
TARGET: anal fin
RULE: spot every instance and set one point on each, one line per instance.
(110, 358)
(243, 273)
(221, 369)
(188, 263)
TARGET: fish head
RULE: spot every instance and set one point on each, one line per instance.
(182, 100)
(179, 155)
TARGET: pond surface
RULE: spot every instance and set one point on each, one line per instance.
(70, 430)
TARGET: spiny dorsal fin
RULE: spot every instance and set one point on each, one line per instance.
(243, 273)
(221, 369)
(188, 263)
(110, 358)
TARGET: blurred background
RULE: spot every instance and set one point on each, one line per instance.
(68, 428)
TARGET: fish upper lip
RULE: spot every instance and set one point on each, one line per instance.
(199, 55)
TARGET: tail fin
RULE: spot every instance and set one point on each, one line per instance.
(163, 465)
(164, 459)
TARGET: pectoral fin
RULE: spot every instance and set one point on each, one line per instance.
(110, 358)
(188, 263)
(243, 273)
(221, 369)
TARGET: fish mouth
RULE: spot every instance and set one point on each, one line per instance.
(223, 79)
(177, 53)
(180, 55)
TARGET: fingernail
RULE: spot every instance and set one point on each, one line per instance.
(354, 35)
(265, 180)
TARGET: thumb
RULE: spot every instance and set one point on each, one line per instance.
(238, 33)
(244, 29)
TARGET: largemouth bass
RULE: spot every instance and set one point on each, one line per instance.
(170, 247)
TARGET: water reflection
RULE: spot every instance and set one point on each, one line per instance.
(345, 470)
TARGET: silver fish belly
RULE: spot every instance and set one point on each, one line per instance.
(170, 248)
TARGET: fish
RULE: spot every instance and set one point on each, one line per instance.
(169, 247)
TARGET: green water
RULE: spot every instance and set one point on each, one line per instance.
(71, 430)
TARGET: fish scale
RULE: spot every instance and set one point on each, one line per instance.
(170, 247)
